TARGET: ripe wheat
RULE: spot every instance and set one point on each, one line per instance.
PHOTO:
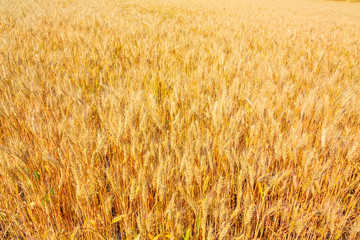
(193, 119)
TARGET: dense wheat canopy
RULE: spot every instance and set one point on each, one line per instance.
(180, 119)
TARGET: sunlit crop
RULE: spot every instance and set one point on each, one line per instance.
(180, 119)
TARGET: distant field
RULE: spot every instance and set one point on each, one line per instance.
(348, 0)
(179, 119)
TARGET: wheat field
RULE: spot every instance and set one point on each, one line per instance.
(188, 119)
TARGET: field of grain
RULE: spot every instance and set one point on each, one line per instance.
(181, 119)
